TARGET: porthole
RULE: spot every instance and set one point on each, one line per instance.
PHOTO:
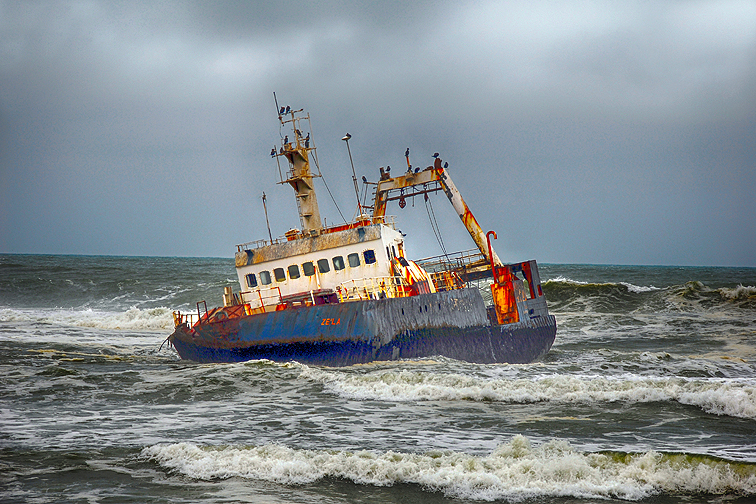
(323, 266)
(265, 277)
(308, 268)
(354, 260)
(338, 263)
(279, 274)
(293, 271)
(369, 256)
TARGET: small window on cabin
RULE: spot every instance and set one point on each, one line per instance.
(308, 268)
(323, 266)
(265, 277)
(338, 263)
(354, 260)
(293, 271)
(279, 274)
(251, 280)
(369, 256)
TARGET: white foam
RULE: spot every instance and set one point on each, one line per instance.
(151, 319)
(563, 279)
(732, 397)
(514, 471)
(638, 289)
(739, 293)
(133, 318)
(11, 315)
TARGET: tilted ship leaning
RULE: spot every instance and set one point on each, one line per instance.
(347, 294)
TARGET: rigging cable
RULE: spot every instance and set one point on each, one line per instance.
(326, 184)
(434, 225)
(317, 165)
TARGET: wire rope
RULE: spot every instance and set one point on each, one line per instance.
(434, 225)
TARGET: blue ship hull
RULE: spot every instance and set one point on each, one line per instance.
(454, 324)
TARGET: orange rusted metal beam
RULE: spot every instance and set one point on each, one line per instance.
(435, 173)
(455, 197)
(408, 179)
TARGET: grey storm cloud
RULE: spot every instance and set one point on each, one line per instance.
(602, 132)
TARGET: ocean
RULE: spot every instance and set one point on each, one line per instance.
(648, 395)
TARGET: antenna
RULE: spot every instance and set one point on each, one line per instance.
(354, 175)
(265, 206)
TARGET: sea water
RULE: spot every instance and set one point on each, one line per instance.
(648, 395)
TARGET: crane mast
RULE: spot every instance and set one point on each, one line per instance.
(438, 178)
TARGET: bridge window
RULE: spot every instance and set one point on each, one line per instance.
(369, 256)
(308, 268)
(251, 280)
(338, 263)
(293, 271)
(354, 260)
(323, 266)
(279, 274)
(265, 277)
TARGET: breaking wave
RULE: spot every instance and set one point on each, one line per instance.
(739, 293)
(565, 294)
(736, 398)
(149, 319)
(515, 471)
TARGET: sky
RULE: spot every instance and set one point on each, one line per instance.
(597, 132)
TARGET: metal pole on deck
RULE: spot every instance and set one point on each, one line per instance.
(354, 174)
(265, 206)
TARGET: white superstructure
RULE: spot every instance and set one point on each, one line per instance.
(348, 263)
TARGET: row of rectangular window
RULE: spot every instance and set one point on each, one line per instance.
(308, 268)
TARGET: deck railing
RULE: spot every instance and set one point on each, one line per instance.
(259, 298)
(184, 318)
(388, 220)
(360, 289)
(453, 261)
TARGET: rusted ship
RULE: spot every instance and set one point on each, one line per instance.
(347, 294)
